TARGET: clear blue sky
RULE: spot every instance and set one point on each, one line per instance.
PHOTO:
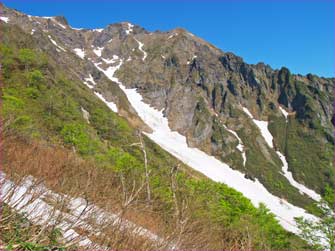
(296, 34)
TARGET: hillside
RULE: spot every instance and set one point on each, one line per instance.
(162, 130)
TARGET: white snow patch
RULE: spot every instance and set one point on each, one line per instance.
(173, 35)
(77, 29)
(90, 79)
(111, 61)
(54, 42)
(240, 145)
(32, 32)
(58, 23)
(86, 114)
(98, 51)
(293, 182)
(5, 19)
(98, 30)
(80, 52)
(140, 47)
(110, 104)
(189, 33)
(189, 61)
(163, 56)
(263, 127)
(110, 40)
(284, 112)
(130, 28)
(129, 59)
(216, 170)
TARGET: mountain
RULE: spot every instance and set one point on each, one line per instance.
(173, 117)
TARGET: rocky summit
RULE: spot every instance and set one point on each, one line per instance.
(261, 128)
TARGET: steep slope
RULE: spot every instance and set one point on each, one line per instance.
(202, 92)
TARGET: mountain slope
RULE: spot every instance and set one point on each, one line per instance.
(201, 89)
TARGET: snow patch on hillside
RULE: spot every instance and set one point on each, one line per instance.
(80, 52)
(130, 28)
(54, 42)
(110, 104)
(5, 19)
(176, 144)
(284, 112)
(263, 127)
(111, 61)
(315, 196)
(97, 51)
(173, 35)
(240, 145)
(140, 47)
(58, 23)
(90, 79)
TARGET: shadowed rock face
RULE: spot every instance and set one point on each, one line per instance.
(201, 89)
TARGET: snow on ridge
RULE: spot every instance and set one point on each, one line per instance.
(77, 29)
(54, 42)
(140, 47)
(5, 19)
(98, 51)
(80, 52)
(130, 28)
(262, 126)
(176, 144)
(302, 189)
(98, 30)
(173, 35)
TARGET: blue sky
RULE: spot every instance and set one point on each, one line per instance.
(297, 34)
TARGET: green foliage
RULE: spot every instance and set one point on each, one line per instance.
(35, 78)
(76, 134)
(27, 57)
(123, 161)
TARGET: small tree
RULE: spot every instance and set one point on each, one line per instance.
(320, 234)
(35, 78)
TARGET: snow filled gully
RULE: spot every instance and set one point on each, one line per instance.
(263, 127)
(175, 143)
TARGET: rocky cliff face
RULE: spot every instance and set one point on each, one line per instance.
(202, 91)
